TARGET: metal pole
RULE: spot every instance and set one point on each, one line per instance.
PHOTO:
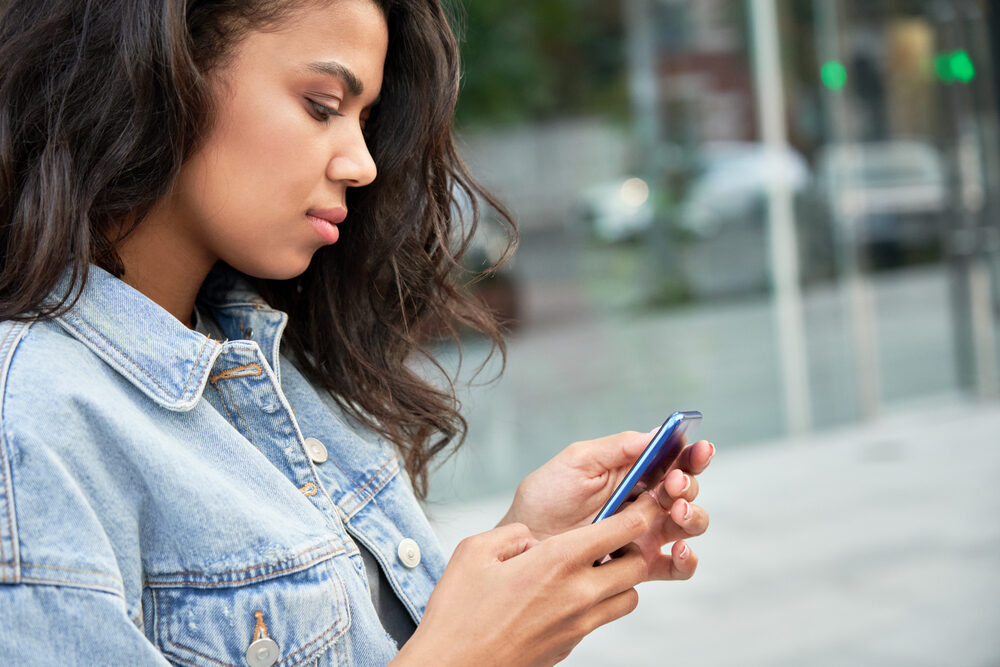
(644, 93)
(970, 169)
(781, 221)
(856, 291)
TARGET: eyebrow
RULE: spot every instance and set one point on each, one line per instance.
(339, 71)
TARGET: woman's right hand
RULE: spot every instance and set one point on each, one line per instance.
(507, 599)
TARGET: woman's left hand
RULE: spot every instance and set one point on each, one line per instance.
(568, 491)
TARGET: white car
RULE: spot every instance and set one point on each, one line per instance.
(733, 181)
(889, 193)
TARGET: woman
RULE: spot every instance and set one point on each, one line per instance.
(226, 224)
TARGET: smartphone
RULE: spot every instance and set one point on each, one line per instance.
(654, 461)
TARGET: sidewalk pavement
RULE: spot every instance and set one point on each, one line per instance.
(876, 544)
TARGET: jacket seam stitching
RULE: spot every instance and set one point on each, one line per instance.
(71, 569)
(154, 583)
(73, 584)
(183, 390)
(125, 354)
(222, 399)
(343, 610)
(5, 468)
(374, 490)
(246, 425)
(373, 478)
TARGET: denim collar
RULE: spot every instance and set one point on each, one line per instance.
(148, 346)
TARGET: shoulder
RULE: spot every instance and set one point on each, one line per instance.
(57, 404)
(47, 375)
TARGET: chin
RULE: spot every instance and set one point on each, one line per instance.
(275, 267)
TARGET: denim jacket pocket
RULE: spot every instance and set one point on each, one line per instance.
(305, 615)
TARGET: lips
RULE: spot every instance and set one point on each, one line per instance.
(334, 216)
(325, 222)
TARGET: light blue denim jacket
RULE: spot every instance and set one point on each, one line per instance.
(158, 503)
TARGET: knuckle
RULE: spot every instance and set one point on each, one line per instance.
(636, 522)
(560, 559)
(586, 595)
(631, 600)
(519, 529)
(466, 546)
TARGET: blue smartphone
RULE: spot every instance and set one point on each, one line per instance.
(654, 461)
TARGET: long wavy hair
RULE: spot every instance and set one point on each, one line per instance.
(102, 101)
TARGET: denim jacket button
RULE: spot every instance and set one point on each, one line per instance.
(262, 653)
(409, 553)
(316, 450)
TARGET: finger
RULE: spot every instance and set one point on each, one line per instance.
(695, 458)
(611, 452)
(622, 572)
(676, 485)
(670, 531)
(691, 519)
(610, 609)
(680, 564)
(594, 541)
(506, 542)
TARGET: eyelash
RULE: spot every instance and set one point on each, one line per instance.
(321, 112)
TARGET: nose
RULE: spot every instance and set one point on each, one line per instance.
(352, 162)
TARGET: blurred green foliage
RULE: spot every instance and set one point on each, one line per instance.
(529, 60)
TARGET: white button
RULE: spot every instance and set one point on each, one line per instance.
(262, 653)
(316, 450)
(409, 553)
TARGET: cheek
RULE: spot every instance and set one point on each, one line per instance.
(268, 160)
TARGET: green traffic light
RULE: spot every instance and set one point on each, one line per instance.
(833, 74)
(955, 66)
(962, 67)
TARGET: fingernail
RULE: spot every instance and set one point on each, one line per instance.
(687, 483)
(685, 552)
(710, 456)
(686, 506)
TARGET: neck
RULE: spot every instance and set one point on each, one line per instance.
(165, 265)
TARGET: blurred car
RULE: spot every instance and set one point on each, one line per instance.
(888, 197)
(723, 217)
(615, 211)
(733, 181)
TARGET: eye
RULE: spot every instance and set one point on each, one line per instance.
(321, 112)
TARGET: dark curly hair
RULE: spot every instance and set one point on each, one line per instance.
(102, 101)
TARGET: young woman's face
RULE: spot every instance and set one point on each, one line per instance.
(268, 186)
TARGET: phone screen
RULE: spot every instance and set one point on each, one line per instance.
(654, 461)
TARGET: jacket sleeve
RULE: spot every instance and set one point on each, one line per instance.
(43, 625)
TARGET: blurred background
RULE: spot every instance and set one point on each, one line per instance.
(783, 213)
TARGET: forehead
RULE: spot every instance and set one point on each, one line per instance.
(351, 33)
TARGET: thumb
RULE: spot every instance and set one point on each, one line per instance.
(614, 451)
